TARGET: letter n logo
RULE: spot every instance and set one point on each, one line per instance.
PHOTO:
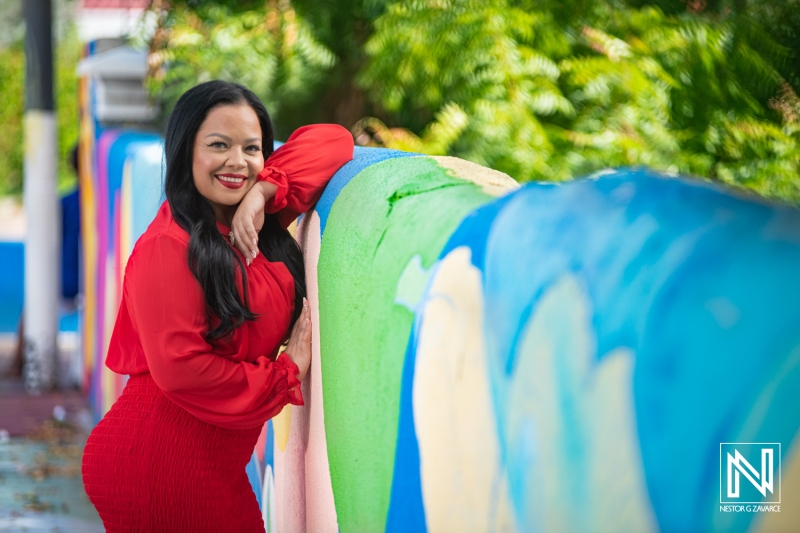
(750, 472)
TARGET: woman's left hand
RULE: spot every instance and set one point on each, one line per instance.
(299, 346)
(249, 219)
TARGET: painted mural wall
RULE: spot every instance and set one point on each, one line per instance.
(120, 186)
(556, 357)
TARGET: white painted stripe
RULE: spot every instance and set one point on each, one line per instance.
(42, 249)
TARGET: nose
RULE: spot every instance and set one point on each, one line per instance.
(236, 158)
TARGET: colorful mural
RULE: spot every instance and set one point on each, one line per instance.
(120, 190)
(556, 357)
(562, 357)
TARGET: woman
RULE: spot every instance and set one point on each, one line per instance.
(211, 291)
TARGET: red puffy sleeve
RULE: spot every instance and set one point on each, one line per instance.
(303, 166)
(167, 308)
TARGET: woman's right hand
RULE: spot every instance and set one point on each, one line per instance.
(249, 219)
(299, 347)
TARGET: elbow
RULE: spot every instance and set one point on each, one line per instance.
(339, 141)
(344, 141)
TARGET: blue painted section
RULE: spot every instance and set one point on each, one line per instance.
(269, 446)
(70, 244)
(699, 285)
(406, 508)
(254, 477)
(474, 230)
(69, 321)
(362, 158)
(12, 284)
(12, 290)
(147, 184)
(123, 148)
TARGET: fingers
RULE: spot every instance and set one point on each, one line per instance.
(249, 238)
(301, 332)
(245, 236)
(252, 238)
(306, 318)
(247, 221)
(299, 346)
(239, 243)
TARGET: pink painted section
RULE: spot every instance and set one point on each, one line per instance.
(116, 260)
(303, 490)
(290, 473)
(320, 507)
(102, 210)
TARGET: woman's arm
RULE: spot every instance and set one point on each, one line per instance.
(167, 307)
(292, 181)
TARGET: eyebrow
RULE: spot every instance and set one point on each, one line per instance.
(228, 138)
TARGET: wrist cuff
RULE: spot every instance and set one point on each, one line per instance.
(293, 390)
(277, 177)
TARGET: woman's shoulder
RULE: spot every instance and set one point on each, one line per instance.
(164, 224)
(163, 232)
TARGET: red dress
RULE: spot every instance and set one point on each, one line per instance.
(170, 454)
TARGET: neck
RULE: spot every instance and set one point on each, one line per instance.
(224, 213)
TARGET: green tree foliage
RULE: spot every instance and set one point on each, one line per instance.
(553, 96)
(12, 95)
(540, 89)
(268, 49)
(68, 54)
(12, 72)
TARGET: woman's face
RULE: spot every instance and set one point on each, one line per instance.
(227, 157)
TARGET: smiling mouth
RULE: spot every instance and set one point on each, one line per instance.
(231, 181)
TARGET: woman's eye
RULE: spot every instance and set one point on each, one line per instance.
(253, 148)
(217, 144)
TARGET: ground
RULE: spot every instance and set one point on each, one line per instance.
(40, 459)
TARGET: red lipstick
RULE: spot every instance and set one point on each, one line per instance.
(231, 181)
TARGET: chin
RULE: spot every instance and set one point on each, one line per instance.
(231, 196)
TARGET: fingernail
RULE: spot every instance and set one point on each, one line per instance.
(248, 261)
(255, 241)
(255, 253)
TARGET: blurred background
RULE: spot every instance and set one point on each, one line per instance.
(541, 90)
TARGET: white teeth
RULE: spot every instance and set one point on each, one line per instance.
(232, 180)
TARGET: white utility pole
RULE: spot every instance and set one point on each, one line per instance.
(42, 209)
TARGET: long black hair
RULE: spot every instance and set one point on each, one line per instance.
(213, 263)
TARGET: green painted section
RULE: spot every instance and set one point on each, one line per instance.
(387, 214)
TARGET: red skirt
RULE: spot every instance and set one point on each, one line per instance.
(150, 466)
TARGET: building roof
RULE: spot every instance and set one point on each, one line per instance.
(115, 4)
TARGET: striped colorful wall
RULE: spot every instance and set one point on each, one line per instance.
(556, 357)
(120, 186)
